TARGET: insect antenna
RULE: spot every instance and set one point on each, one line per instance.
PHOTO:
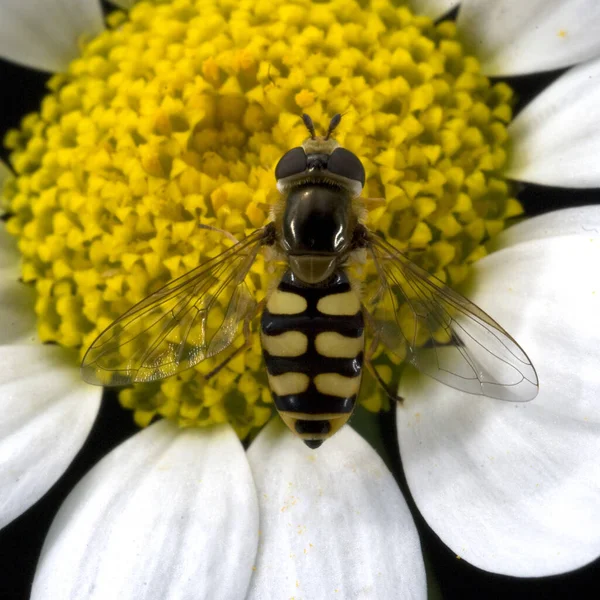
(335, 121)
(309, 125)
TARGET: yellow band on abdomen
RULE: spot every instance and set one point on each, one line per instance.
(289, 343)
(334, 384)
(286, 303)
(335, 345)
(289, 383)
(346, 303)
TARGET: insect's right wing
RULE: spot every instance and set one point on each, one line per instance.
(187, 321)
(420, 320)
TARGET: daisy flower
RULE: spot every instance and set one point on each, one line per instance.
(167, 114)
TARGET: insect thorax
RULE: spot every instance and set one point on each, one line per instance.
(316, 229)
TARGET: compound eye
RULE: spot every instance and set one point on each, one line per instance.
(291, 163)
(345, 163)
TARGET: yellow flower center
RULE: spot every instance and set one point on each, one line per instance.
(177, 114)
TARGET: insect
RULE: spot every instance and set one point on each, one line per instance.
(314, 323)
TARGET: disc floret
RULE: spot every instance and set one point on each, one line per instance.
(177, 114)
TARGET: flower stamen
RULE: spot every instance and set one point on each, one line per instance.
(176, 115)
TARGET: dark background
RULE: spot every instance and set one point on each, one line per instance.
(449, 578)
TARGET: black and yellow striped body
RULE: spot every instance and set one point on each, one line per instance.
(313, 342)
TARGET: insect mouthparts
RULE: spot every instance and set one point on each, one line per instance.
(317, 161)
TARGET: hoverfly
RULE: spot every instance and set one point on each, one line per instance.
(314, 321)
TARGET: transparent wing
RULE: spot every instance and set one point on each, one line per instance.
(187, 321)
(422, 321)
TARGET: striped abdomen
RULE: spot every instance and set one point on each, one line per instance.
(313, 342)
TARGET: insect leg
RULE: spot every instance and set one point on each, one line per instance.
(247, 340)
(369, 361)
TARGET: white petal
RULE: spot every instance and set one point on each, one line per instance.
(44, 34)
(171, 513)
(333, 522)
(579, 220)
(556, 138)
(514, 37)
(9, 254)
(16, 299)
(126, 4)
(5, 173)
(546, 293)
(510, 490)
(433, 8)
(515, 488)
(17, 305)
(47, 413)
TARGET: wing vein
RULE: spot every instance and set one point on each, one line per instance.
(188, 320)
(442, 333)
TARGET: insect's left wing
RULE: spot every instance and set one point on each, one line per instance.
(421, 320)
(187, 321)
